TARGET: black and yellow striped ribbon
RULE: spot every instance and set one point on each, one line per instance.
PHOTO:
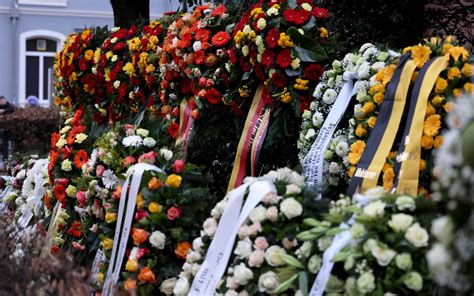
(409, 154)
(383, 135)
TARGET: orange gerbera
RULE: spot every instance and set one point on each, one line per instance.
(80, 158)
(71, 137)
(220, 39)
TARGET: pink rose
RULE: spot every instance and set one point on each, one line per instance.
(178, 166)
(202, 82)
(231, 284)
(149, 157)
(289, 244)
(129, 160)
(100, 170)
(255, 228)
(81, 198)
(140, 214)
(256, 258)
(261, 243)
(272, 213)
(173, 213)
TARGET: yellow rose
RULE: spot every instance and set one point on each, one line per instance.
(457, 92)
(155, 207)
(438, 141)
(376, 88)
(110, 217)
(430, 110)
(467, 69)
(139, 201)
(378, 98)
(448, 107)
(100, 277)
(453, 73)
(447, 47)
(426, 142)
(57, 101)
(360, 131)
(368, 107)
(441, 85)
(173, 181)
(356, 150)
(387, 178)
(371, 121)
(432, 125)
(107, 243)
(422, 165)
(468, 87)
(437, 100)
(132, 265)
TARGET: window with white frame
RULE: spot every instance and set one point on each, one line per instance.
(37, 52)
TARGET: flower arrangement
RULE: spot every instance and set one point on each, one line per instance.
(389, 239)
(78, 83)
(451, 257)
(265, 240)
(280, 43)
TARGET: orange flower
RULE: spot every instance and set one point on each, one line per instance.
(422, 165)
(80, 158)
(182, 249)
(378, 98)
(440, 85)
(385, 74)
(139, 236)
(360, 131)
(388, 177)
(458, 51)
(147, 275)
(154, 183)
(420, 54)
(430, 110)
(130, 284)
(371, 121)
(356, 150)
(432, 125)
(71, 137)
(438, 141)
(454, 73)
(426, 142)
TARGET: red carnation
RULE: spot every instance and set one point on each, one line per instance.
(278, 80)
(313, 72)
(272, 38)
(202, 35)
(268, 57)
(173, 130)
(75, 229)
(284, 58)
(213, 96)
(83, 64)
(320, 13)
(220, 39)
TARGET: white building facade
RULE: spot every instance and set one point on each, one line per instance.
(31, 31)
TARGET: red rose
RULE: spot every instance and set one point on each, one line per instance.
(268, 57)
(313, 72)
(220, 39)
(213, 96)
(284, 58)
(320, 13)
(178, 166)
(173, 213)
(173, 130)
(278, 80)
(272, 38)
(83, 64)
(129, 160)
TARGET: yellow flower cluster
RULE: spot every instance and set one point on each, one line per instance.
(301, 84)
(256, 12)
(285, 41)
(285, 97)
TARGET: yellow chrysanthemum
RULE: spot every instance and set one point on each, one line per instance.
(432, 125)
(356, 150)
(420, 54)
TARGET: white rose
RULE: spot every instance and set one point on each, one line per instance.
(116, 84)
(375, 193)
(66, 165)
(369, 245)
(149, 142)
(231, 293)
(310, 134)
(306, 114)
(374, 209)
(413, 281)
(245, 50)
(197, 46)
(61, 142)
(366, 283)
(295, 63)
(417, 236)
(314, 264)
(291, 208)
(81, 137)
(258, 214)
(193, 256)
(65, 129)
(405, 202)
(261, 23)
(210, 226)
(364, 71)
(272, 11)
(404, 261)
(438, 258)
(272, 213)
(306, 7)
(134, 141)
(242, 274)
(143, 132)
(324, 243)
(167, 154)
(383, 256)
(167, 286)
(256, 258)
(357, 230)
(21, 175)
(198, 244)
(243, 248)
(273, 256)
(305, 250)
(292, 189)
(268, 282)
(443, 229)
(181, 287)
(400, 222)
(317, 119)
(334, 168)
(158, 239)
(329, 96)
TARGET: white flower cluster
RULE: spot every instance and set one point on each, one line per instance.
(452, 255)
(252, 251)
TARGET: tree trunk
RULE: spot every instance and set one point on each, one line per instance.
(127, 12)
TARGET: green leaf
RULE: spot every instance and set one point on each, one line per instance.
(310, 24)
(312, 222)
(310, 56)
(318, 230)
(292, 261)
(334, 231)
(307, 49)
(306, 235)
(341, 256)
(286, 284)
(303, 283)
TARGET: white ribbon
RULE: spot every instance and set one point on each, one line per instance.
(98, 260)
(340, 241)
(219, 251)
(314, 161)
(122, 230)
